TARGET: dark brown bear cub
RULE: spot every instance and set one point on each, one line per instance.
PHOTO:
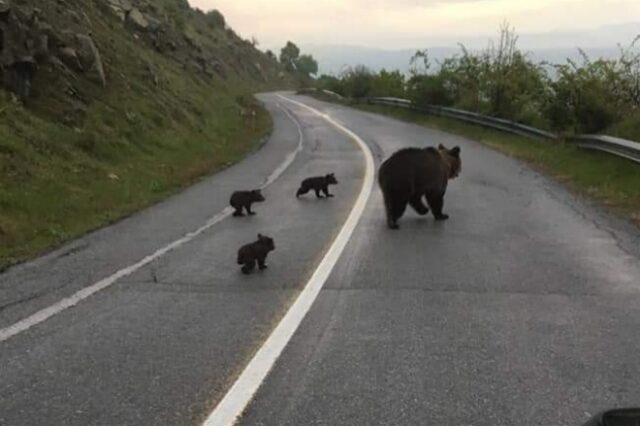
(319, 183)
(243, 200)
(257, 251)
(413, 173)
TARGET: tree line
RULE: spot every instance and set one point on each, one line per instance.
(586, 96)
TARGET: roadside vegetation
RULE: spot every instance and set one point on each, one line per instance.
(123, 104)
(590, 96)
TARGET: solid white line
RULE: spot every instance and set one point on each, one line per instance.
(241, 393)
(68, 302)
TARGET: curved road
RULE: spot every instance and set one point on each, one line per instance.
(522, 309)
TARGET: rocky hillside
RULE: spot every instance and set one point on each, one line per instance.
(73, 51)
(108, 105)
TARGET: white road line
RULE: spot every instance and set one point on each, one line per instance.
(292, 156)
(68, 302)
(228, 411)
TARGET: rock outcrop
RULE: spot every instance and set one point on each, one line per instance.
(72, 50)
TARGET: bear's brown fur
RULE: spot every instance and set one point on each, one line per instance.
(243, 199)
(413, 173)
(318, 183)
(256, 252)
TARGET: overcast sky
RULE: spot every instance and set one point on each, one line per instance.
(399, 23)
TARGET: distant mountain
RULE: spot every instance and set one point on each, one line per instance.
(554, 47)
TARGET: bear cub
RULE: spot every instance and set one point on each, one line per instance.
(254, 252)
(318, 183)
(243, 199)
(412, 174)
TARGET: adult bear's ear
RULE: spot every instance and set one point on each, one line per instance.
(455, 151)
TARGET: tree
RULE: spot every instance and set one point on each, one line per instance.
(307, 65)
(288, 56)
(420, 63)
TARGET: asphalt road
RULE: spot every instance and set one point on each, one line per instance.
(522, 309)
(143, 352)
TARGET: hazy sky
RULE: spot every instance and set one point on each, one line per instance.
(399, 23)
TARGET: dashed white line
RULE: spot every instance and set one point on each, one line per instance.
(241, 393)
(68, 302)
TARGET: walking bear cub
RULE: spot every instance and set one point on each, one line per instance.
(257, 251)
(413, 173)
(243, 200)
(319, 183)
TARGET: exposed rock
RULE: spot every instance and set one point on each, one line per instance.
(69, 57)
(18, 37)
(120, 7)
(90, 56)
(75, 16)
(63, 51)
(137, 20)
(154, 24)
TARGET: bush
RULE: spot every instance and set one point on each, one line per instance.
(215, 19)
(358, 82)
(587, 97)
(426, 90)
(331, 83)
(386, 83)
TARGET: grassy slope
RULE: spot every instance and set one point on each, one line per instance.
(136, 142)
(612, 181)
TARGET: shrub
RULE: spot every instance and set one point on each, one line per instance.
(215, 19)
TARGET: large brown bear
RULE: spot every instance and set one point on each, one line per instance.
(413, 173)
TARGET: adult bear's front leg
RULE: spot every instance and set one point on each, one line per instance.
(436, 202)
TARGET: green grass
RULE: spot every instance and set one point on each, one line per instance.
(611, 181)
(58, 184)
(128, 145)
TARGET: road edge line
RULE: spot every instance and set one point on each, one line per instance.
(241, 393)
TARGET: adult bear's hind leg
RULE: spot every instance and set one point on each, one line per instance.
(417, 204)
(395, 207)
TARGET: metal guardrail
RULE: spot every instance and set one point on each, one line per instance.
(314, 91)
(612, 145)
(334, 94)
(471, 117)
(620, 147)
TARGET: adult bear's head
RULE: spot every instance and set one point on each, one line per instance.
(453, 160)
